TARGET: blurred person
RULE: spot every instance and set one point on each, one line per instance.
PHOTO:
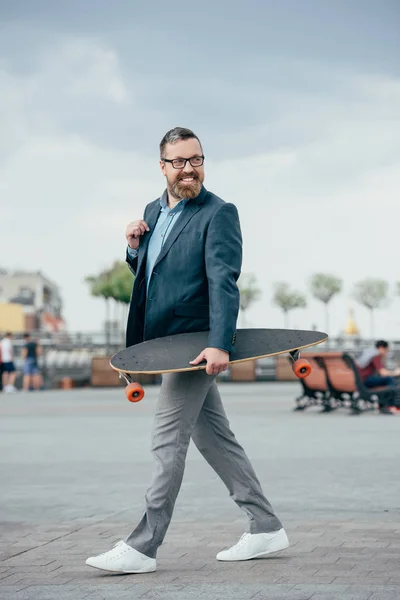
(186, 254)
(371, 365)
(9, 371)
(30, 354)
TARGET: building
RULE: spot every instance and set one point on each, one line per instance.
(29, 301)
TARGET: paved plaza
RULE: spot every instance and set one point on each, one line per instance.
(75, 465)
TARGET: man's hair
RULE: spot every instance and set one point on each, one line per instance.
(26, 335)
(175, 135)
(8, 334)
(381, 344)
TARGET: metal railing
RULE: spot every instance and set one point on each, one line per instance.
(70, 353)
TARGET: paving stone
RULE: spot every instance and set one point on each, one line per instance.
(386, 595)
(333, 595)
(65, 501)
(14, 593)
(207, 591)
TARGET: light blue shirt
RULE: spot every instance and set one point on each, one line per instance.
(165, 222)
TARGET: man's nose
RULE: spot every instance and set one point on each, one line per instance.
(188, 167)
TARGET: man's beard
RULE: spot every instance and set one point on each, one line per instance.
(181, 190)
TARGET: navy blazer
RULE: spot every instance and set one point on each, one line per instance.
(193, 283)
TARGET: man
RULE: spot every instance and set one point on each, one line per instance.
(372, 369)
(30, 353)
(186, 255)
(8, 367)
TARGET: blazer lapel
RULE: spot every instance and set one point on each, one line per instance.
(188, 212)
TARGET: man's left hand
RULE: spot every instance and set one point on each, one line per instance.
(217, 360)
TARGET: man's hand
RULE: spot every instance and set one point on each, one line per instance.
(217, 360)
(133, 232)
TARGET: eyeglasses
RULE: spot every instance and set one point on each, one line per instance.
(180, 163)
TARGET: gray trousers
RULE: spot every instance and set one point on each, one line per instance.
(189, 406)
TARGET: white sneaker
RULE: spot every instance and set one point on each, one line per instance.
(256, 545)
(123, 559)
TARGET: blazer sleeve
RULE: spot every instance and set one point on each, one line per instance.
(132, 259)
(131, 256)
(223, 258)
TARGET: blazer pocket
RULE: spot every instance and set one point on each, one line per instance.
(201, 311)
(194, 234)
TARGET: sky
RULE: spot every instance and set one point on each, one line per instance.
(297, 105)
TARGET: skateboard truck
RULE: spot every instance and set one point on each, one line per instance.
(133, 391)
(301, 367)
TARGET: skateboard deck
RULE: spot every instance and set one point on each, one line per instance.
(172, 354)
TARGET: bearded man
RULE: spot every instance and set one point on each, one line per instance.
(186, 255)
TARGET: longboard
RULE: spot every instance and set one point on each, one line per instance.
(172, 354)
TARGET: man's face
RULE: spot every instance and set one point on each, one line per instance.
(383, 351)
(184, 182)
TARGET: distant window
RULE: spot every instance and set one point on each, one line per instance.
(25, 292)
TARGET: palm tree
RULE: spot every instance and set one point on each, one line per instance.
(288, 300)
(249, 292)
(122, 283)
(100, 286)
(324, 287)
(371, 293)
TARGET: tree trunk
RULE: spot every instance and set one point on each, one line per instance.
(372, 325)
(326, 318)
(107, 324)
(286, 319)
(124, 320)
(116, 310)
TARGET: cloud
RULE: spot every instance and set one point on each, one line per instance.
(70, 88)
(330, 204)
(315, 178)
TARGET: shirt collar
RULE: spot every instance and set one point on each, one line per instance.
(164, 202)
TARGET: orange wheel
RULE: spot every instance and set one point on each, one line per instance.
(134, 392)
(301, 368)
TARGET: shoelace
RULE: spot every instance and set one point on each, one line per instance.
(115, 546)
(241, 541)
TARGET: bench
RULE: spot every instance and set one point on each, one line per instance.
(363, 397)
(335, 382)
(340, 379)
(315, 390)
(346, 387)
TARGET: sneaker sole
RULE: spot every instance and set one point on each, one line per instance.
(260, 555)
(147, 570)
